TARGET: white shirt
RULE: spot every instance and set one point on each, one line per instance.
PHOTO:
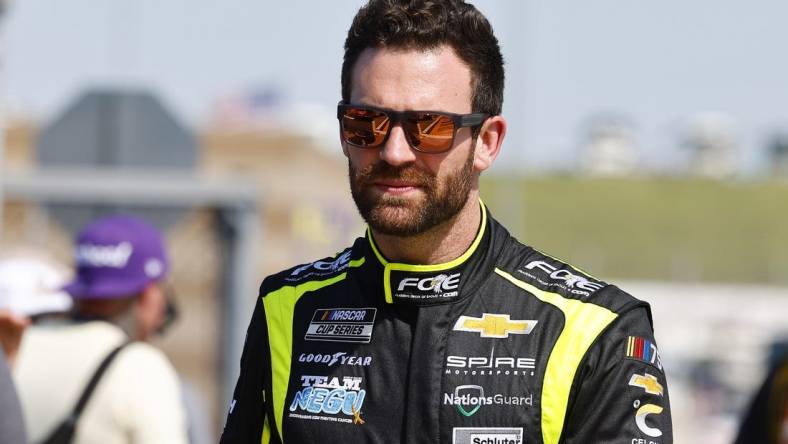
(138, 399)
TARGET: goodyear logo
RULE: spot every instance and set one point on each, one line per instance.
(494, 325)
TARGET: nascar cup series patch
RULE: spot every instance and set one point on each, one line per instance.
(341, 325)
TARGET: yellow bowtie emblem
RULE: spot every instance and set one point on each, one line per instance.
(648, 383)
(494, 325)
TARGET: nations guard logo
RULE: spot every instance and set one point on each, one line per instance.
(494, 325)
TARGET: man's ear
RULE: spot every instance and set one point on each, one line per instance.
(488, 142)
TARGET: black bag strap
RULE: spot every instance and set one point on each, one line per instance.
(64, 432)
(94, 380)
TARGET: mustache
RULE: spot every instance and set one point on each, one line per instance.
(383, 171)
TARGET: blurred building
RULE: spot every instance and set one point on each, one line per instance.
(778, 155)
(710, 138)
(305, 213)
(608, 146)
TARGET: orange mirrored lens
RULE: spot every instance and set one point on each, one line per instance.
(430, 132)
(364, 127)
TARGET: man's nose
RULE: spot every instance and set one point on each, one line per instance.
(397, 151)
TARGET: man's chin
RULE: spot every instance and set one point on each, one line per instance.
(395, 220)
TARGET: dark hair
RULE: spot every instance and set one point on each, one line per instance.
(427, 24)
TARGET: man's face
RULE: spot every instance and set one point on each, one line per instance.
(400, 191)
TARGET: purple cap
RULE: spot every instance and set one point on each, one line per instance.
(117, 256)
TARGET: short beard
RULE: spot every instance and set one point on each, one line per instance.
(401, 217)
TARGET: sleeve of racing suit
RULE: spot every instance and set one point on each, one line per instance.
(247, 410)
(620, 393)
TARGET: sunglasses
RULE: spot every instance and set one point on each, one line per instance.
(429, 132)
(170, 310)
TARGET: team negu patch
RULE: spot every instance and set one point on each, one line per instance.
(644, 350)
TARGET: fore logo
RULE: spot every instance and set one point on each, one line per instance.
(322, 267)
(562, 278)
(436, 284)
(430, 287)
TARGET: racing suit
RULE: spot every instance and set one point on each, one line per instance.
(502, 345)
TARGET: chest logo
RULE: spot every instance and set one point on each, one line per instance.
(492, 435)
(494, 325)
(341, 325)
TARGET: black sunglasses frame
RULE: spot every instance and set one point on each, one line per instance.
(396, 117)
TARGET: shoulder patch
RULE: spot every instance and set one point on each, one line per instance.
(319, 269)
(644, 350)
(555, 276)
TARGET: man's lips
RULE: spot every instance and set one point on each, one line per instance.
(393, 186)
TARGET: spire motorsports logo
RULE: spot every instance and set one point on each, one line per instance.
(489, 365)
(339, 397)
(468, 399)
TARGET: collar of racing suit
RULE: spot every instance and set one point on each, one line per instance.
(413, 284)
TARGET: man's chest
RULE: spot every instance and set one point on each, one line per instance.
(467, 372)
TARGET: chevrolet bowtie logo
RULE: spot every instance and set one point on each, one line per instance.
(647, 382)
(494, 325)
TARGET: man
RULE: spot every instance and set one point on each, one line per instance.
(438, 326)
(12, 425)
(766, 420)
(119, 296)
(29, 289)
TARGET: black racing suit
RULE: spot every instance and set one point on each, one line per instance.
(503, 345)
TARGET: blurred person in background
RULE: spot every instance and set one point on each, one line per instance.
(120, 302)
(12, 424)
(438, 326)
(29, 290)
(766, 421)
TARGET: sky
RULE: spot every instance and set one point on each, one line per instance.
(657, 64)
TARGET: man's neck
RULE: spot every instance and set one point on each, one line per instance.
(440, 244)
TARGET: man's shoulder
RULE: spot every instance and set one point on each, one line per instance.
(543, 272)
(319, 270)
